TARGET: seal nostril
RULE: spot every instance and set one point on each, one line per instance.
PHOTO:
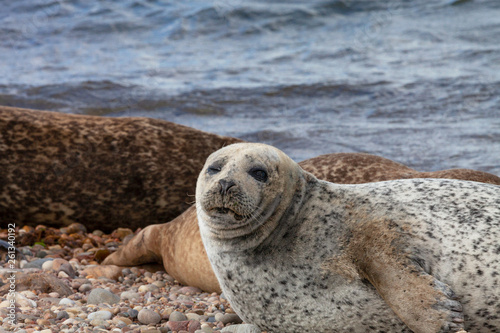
(225, 185)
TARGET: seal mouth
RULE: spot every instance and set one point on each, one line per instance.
(226, 211)
(225, 223)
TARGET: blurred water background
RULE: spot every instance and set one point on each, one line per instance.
(414, 81)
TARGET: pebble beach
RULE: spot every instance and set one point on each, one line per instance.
(60, 287)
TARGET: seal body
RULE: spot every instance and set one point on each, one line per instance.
(313, 256)
(102, 172)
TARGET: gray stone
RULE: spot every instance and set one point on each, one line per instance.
(159, 284)
(147, 317)
(99, 295)
(206, 328)
(242, 328)
(102, 315)
(148, 287)
(62, 315)
(129, 295)
(85, 288)
(100, 322)
(193, 316)
(41, 254)
(97, 232)
(66, 301)
(231, 318)
(37, 263)
(177, 316)
(218, 316)
(133, 313)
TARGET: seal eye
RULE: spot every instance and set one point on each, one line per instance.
(259, 174)
(213, 169)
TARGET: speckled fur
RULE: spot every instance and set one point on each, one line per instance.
(103, 172)
(178, 247)
(440, 237)
(358, 168)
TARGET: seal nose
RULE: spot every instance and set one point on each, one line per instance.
(225, 185)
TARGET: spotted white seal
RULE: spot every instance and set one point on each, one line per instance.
(296, 254)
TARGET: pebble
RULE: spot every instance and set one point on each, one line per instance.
(62, 315)
(147, 317)
(98, 296)
(242, 328)
(148, 287)
(188, 325)
(74, 228)
(38, 263)
(129, 295)
(28, 294)
(66, 301)
(70, 321)
(193, 316)
(189, 290)
(231, 318)
(121, 233)
(100, 322)
(133, 313)
(102, 315)
(23, 301)
(85, 288)
(177, 316)
(47, 266)
(218, 316)
(206, 328)
(61, 265)
(97, 232)
(124, 320)
(159, 284)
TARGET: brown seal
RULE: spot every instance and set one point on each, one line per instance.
(103, 172)
(177, 244)
(296, 254)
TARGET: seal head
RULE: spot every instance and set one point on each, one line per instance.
(243, 192)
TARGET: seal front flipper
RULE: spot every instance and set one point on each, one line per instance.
(141, 249)
(423, 303)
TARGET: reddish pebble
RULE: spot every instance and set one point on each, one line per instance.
(189, 325)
